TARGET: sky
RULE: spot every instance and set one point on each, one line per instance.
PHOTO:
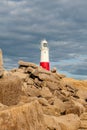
(63, 23)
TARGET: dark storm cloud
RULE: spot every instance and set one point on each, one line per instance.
(63, 23)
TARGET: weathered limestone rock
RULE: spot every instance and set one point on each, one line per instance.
(1, 59)
(25, 117)
(54, 70)
(21, 75)
(65, 93)
(29, 70)
(75, 107)
(67, 122)
(27, 64)
(51, 123)
(10, 90)
(83, 119)
(58, 103)
(47, 77)
(3, 107)
(26, 99)
(1, 64)
(82, 93)
(43, 101)
(37, 83)
(32, 91)
(43, 71)
(51, 110)
(53, 86)
(45, 93)
(30, 81)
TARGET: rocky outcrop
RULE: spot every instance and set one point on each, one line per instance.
(30, 116)
(62, 122)
(52, 99)
(1, 64)
(27, 117)
(10, 90)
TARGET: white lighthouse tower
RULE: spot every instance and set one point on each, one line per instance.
(44, 62)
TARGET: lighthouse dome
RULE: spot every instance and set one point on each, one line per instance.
(44, 44)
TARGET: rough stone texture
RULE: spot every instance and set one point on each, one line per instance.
(1, 64)
(75, 107)
(25, 117)
(58, 103)
(10, 90)
(68, 122)
(32, 91)
(45, 93)
(1, 58)
(21, 75)
(27, 64)
(83, 119)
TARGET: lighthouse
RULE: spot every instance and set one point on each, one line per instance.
(44, 61)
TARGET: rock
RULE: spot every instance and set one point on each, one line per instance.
(29, 70)
(43, 101)
(65, 93)
(45, 93)
(30, 81)
(54, 70)
(74, 107)
(60, 96)
(84, 116)
(46, 77)
(25, 117)
(43, 71)
(32, 91)
(3, 107)
(26, 99)
(51, 123)
(40, 73)
(37, 83)
(10, 90)
(53, 86)
(51, 110)
(1, 64)
(58, 103)
(1, 58)
(22, 70)
(21, 75)
(27, 64)
(82, 94)
(67, 122)
(1, 72)
(34, 74)
(83, 119)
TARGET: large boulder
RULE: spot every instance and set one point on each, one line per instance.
(1, 64)
(10, 90)
(73, 106)
(27, 64)
(21, 75)
(45, 93)
(58, 103)
(67, 122)
(23, 117)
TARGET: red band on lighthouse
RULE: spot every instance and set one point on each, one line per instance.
(45, 65)
(45, 55)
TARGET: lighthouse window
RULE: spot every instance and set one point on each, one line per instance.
(45, 44)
